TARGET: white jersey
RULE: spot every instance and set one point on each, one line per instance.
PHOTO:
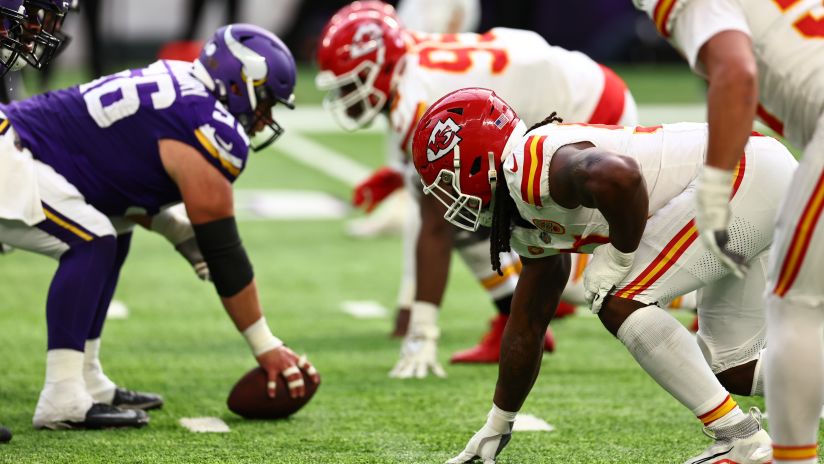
(528, 73)
(670, 157)
(788, 42)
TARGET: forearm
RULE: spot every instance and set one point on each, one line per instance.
(730, 113)
(624, 202)
(533, 305)
(432, 256)
(243, 307)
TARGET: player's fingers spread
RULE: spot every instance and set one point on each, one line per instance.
(294, 381)
(303, 363)
(420, 370)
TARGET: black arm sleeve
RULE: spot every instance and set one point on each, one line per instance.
(228, 263)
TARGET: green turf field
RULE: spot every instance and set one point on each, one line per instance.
(178, 342)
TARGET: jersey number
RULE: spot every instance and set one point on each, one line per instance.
(112, 98)
(808, 25)
(447, 54)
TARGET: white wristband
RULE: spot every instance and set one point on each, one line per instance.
(619, 257)
(260, 338)
(499, 420)
(423, 320)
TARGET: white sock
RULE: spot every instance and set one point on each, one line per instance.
(794, 373)
(64, 396)
(99, 386)
(476, 257)
(669, 354)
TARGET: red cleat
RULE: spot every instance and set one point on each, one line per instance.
(488, 351)
(694, 325)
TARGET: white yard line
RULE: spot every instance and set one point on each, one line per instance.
(530, 423)
(364, 309)
(324, 159)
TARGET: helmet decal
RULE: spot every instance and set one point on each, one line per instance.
(367, 39)
(443, 139)
(253, 64)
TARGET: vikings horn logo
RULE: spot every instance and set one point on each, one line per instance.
(442, 140)
(367, 39)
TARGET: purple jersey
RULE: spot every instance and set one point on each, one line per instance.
(103, 136)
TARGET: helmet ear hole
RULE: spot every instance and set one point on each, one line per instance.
(476, 166)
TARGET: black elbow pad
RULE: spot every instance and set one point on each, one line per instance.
(228, 263)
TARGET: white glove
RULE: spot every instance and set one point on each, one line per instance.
(191, 251)
(173, 224)
(488, 442)
(419, 351)
(607, 268)
(712, 216)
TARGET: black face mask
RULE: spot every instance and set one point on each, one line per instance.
(272, 128)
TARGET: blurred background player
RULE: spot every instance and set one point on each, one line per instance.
(371, 64)
(185, 137)
(625, 195)
(772, 52)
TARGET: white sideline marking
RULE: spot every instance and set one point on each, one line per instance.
(314, 119)
(530, 423)
(288, 205)
(204, 424)
(364, 309)
(117, 310)
(328, 161)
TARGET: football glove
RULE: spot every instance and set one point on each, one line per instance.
(607, 268)
(371, 192)
(191, 252)
(712, 216)
(488, 442)
(419, 350)
(173, 224)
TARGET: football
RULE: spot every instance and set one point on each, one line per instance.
(248, 397)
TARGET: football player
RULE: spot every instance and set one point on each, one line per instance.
(772, 52)
(626, 195)
(370, 64)
(130, 144)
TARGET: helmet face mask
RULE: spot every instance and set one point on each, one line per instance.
(352, 97)
(31, 32)
(462, 210)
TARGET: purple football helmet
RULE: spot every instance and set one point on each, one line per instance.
(249, 70)
(30, 29)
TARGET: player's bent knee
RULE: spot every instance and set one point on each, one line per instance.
(616, 311)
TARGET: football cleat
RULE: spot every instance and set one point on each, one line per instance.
(100, 416)
(745, 442)
(488, 351)
(129, 399)
(5, 435)
(564, 309)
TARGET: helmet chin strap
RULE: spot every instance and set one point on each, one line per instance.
(492, 175)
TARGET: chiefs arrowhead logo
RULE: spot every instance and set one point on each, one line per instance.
(443, 139)
(367, 39)
(548, 226)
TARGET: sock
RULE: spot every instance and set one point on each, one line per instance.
(794, 376)
(476, 257)
(758, 376)
(64, 396)
(666, 350)
(504, 304)
(99, 386)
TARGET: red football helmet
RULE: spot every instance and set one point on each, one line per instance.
(459, 145)
(357, 57)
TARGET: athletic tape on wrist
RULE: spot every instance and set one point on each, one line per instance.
(172, 225)
(260, 338)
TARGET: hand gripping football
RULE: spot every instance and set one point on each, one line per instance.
(248, 397)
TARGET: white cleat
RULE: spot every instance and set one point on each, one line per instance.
(737, 444)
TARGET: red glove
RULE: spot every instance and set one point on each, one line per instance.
(369, 193)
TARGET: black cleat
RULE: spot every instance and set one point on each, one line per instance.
(129, 399)
(5, 435)
(103, 416)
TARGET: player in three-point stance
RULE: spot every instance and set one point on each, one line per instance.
(625, 195)
(772, 52)
(130, 144)
(370, 64)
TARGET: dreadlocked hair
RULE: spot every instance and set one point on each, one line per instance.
(501, 229)
(547, 120)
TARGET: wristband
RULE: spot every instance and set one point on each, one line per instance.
(499, 420)
(173, 224)
(423, 320)
(619, 257)
(260, 338)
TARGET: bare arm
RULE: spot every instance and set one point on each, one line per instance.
(434, 252)
(732, 96)
(533, 304)
(584, 175)
(208, 197)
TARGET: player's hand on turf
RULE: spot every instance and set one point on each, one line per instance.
(191, 251)
(488, 442)
(371, 192)
(419, 355)
(607, 268)
(283, 361)
(713, 216)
